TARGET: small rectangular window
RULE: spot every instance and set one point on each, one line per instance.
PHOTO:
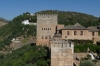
(92, 33)
(46, 37)
(81, 33)
(67, 32)
(65, 36)
(50, 28)
(74, 32)
(42, 37)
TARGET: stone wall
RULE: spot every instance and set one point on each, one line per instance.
(46, 28)
(61, 53)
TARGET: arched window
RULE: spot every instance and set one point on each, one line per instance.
(44, 28)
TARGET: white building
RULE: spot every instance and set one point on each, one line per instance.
(25, 22)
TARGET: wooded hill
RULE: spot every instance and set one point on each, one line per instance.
(3, 22)
(70, 18)
(26, 56)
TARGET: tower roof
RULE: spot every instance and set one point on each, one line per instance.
(57, 35)
(93, 29)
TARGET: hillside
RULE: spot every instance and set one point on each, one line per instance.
(3, 22)
(15, 29)
(70, 18)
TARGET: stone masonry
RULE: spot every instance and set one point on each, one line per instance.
(46, 28)
(61, 52)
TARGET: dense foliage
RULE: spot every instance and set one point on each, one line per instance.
(27, 56)
(87, 63)
(70, 18)
(84, 48)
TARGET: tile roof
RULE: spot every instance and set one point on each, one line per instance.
(93, 29)
(77, 26)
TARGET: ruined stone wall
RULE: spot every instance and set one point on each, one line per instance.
(46, 28)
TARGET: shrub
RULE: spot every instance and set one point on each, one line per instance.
(87, 63)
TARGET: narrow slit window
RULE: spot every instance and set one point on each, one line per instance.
(46, 37)
(42, 28)
(42, 37)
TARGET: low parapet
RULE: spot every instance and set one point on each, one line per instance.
(61, 43)
(47, 14)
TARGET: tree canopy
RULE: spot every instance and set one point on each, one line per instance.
(27, 56)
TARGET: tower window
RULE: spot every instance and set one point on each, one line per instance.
(81, 33)
(44, 28)
(93, 38)
(46, 37)
(48, 28)
(74, 32)
(42, 37)
(65, 36)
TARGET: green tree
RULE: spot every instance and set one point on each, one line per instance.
(87, 63)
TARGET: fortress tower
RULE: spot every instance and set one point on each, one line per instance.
(46, 28)
(61, 52)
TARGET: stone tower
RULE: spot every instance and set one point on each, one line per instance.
(46, 28)
(61, 52)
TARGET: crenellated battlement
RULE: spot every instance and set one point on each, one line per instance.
(42, 16)
(60, 43)
(47, 14)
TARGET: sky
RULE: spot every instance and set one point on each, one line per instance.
(12, 8)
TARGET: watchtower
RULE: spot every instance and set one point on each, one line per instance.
(46, 28)
(61, 52)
